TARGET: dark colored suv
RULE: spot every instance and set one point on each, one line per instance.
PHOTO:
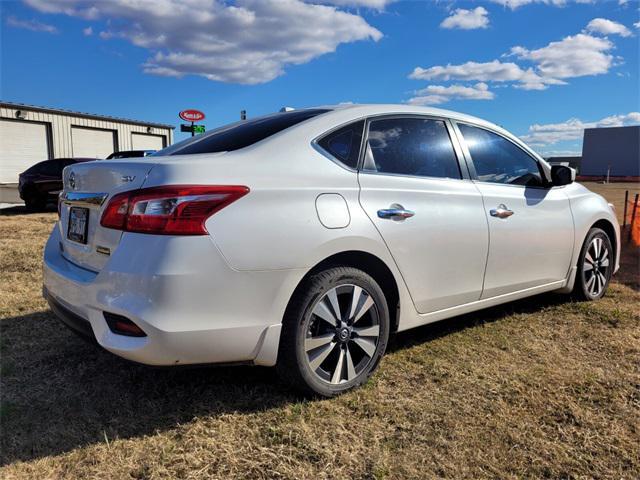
(42, 182)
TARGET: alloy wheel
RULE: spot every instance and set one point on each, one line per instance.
(596, 267)
(343, 334)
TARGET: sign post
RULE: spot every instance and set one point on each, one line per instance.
(191, 115)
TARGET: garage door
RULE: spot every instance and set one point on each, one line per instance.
(92, 143)
(144, 141)
(22, 144)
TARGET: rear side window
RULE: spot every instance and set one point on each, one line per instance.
(240, 135)
(498, 160)
(50, 168)
(411, 146)
(344, 143)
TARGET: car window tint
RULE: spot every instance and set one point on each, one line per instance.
(412, 146)
(240, 135)
(344, 143)
(51, 168)
(34, 169)
(498, 160)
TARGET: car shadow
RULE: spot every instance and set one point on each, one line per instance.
(59, 392)
(22, 210)
(442, 328)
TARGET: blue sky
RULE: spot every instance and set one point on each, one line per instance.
(544, 69)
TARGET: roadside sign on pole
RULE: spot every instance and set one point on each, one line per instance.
(191, 115)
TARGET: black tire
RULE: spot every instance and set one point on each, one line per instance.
(35, 203)
(294, 360)
(594, 267)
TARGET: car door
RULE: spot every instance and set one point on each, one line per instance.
(530, 222)
(426, 209)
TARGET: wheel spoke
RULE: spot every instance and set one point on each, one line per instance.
(587, 266)
(605, 263)
(595, 288)
(316, 359)
(598, 245)
(351, 371)
(332, 295)
(315, 342)
(337, 373)
(368, 303)
(355, 300)
(589, 257)
(590, 282)
(373, 331)
(602, 279)
(368, 346)
(604, 256)
(322, 311)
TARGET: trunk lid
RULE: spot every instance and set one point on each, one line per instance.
(87, 188)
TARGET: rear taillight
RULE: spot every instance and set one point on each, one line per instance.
(169, 210)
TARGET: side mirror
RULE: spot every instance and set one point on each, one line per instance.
(561, 175)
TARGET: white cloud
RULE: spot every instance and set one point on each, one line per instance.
(637, 24)
(573, 129)
(32, 25)
(376, 4)
(573, 56)
(608, 27)
(513, 4)
(438, 94)
(248, 42)
(467, 19)
(87, 31)
(494, 71)
(559, 153)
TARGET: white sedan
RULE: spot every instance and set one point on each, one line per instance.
(303, 239)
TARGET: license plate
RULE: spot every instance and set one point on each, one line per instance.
(78, 224)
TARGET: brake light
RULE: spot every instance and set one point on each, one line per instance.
(169, 210)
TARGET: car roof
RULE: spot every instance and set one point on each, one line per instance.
(78, 159)
(369, 109)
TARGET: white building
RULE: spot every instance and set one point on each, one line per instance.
(30, 134)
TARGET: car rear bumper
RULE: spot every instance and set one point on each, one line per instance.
(193, 308)
(75, 323)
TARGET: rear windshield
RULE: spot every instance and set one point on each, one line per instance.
(240, 135)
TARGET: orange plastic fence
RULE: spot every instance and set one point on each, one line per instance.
(634, 223)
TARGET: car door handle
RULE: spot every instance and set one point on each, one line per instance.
(501, 212)
(396, 212)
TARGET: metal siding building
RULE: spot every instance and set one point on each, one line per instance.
(617, 148)
(30, 134)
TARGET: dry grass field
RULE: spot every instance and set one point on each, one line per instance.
(541, 388)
